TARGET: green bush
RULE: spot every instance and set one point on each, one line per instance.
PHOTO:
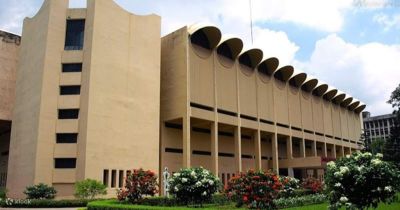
(194, 185)
(42, 203)
(300, 201)
(295, 193)
(255, 189)
(89, 189)
(138, 184)
(289, 185)
(360, 181)
(40, 191)
(3, 193)
(116, 205)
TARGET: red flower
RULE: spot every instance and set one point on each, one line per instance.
(245, 198)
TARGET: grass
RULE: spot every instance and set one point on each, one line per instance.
(324, 206)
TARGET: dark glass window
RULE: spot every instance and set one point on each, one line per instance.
(72, 67)
(74, 35)
(70, 90)
(63, 138)
(65, 162)
(105, 177)
(68, 113)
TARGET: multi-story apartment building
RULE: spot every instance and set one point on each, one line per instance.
(378, 126)
(9, 48)
(98, 93)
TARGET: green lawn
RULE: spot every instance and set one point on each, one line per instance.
(323, 206)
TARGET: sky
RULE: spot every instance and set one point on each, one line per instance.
(353, 45)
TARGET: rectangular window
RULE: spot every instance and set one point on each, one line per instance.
(68, 113)
(71, 67)
(113, 178)
(105, 177)
(66, 138)
(74, 35)
(121, 178)
(65, 163)
(70, 90)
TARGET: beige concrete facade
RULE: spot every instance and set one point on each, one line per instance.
(229, 110)
(118, 123)
(9, 48)
(125, 98)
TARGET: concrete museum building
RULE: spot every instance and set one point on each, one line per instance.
(98, 93)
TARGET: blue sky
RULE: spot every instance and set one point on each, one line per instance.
(353, 45)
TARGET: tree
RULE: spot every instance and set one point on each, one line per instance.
(89, 189)
(392, 145)
(364, 137)
(377, 145)
(361, 181)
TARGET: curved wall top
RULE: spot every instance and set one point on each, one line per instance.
(330, 93)
(284, 73)
(354, 104)
(360, 108)
(234, 44)
(339, 97)
(347, 100)
(309, 84)
(320, 89)
(251, 57)
(199, 31)
(297, 78)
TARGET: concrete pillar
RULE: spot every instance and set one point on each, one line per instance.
(302, 148)
(214, 148)
(238, 148)
(257, 149)
(290, 172)
(333, 151)
(275, 157)
(342, 151)
(314, 148)
(324, 150)
(186, 142)
(289, 147)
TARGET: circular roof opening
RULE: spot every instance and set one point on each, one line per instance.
(309, 84)
(353, 105)
(206, 36)
(330, 93)
(230, 48)
(320, 89)
(268, 66)
(346, 102)
(297, 78)
(360, 108)
(283, 74)
(251, 58)
(339, 97)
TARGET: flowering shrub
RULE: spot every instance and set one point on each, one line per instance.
(300, 201)
(360, 181)
(256, 189)
(312, 184)
(40, 191)
(193, 185)
(289, 185)
(138, 184)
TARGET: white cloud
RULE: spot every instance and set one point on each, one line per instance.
(368, 72)
(388, 22)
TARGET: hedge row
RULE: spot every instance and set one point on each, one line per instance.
(33, 203)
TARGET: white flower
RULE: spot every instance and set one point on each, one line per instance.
(337, 174)
(198, 184)
(360, 168)
(338, 185)
(205, 172)
(204, 193)
(343, 199)
(331, 164)
(367, 154)
(376, 161)
(177, 174)
(388, 188)
(193, 174)
(211, 182)
(184, 180)
(379, 155)
(344, 169)
(379, 189)
(347, 156)
(176, 189)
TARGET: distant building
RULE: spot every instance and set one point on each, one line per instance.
(378, 126)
